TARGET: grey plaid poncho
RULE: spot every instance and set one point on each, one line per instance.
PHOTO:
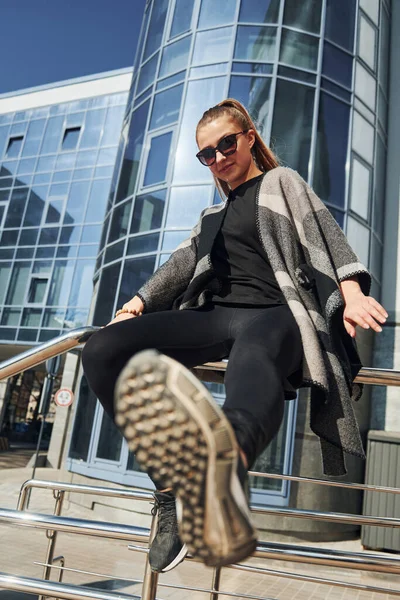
(310, 256)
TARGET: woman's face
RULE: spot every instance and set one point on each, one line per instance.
(233, 169)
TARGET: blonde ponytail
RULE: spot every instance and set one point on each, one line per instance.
(263, 156)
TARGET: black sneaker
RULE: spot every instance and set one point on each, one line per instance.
(166, 550)
(185, 442)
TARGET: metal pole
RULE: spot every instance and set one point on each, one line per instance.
(150, 579)
(52, 537)
(215, 584)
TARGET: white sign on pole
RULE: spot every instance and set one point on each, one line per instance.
(64, 397)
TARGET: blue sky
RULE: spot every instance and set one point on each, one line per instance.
(43, 41)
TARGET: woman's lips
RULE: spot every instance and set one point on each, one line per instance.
(226, 168)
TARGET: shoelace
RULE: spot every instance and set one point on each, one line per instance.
(167, 521)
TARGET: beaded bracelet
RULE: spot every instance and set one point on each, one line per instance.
(131, 311)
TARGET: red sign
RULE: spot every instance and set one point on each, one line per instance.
(64, 397)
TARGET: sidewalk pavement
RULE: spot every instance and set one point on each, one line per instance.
(21, 547)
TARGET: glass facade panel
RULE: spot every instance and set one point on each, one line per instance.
(82, 284)
(367, 42)
(380, 187)
(120, 222)
(255, 43)
(11, 317)
(212, 46)
(53, 134)
(133, 152)
(358, 237)
(97, 200)
(166, 107)
(14, 146)
(142, 244)
(31, 317)
(252, 11)
(340, 22)
(93, 128)
(76, 202)
(156, 27)
(337, 65)
(33, 137)
(148, 211)
(81, 434)
(371, 7)
(185, 205)
(365, 86)
(384, 43)
(299, 49)
(157, 161)
(200, 95)
(254, 93)
(37, 290)
(182, 17)
(61, 282)
(112, 126)
(304, 15)
(210, 17)
(147, 74)
(16, 207)
(108, 285)
(18, 283)
(175, 57)
(331, 150)
(363, 138)
(5, 270)
(110, 440)
(136, 272)
(3, 138)
(71, 138)
(172, 239)
(360, 188)
(291, 130)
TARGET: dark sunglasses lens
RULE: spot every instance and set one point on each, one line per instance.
(227, 143)
(207, 156)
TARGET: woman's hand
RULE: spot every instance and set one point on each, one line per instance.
(359, 309)
(135, 305)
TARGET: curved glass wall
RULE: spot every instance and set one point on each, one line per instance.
(56, 164)
(313, 75)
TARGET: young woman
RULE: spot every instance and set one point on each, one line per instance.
(267, 279)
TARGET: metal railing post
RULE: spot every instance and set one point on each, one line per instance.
(216, 581)
(150, 578)
(52, 537)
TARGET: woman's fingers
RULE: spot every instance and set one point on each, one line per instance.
(378, 307)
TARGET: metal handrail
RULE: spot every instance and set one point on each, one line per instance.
(60, 591)
(209, 372)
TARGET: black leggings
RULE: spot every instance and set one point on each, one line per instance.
(263, 344)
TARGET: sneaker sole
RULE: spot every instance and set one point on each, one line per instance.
(177, 560)
(184, 441)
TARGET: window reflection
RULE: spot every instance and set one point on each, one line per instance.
(253, 92)
(133, 152)
(292, 124)
(299, 49)
(147, 74)
(175, 57)
(340, 22)
(110, 440)
(83, 424)
(337, 65)
(82, 284)
(156, 27)
(14, 146)
(253, 11)
(33, 137)
(182, 17)
(212, 46)
(157, 160)
(18, 283)
(93, 128)
(120, 222)
(61, 282)
(112, 126)
(106, 295)
(211, 17)
(380, 187)
(255, 43)
(76, 202)
(172, 239)
(331, 150)
(304, 15)
(200, 95)
(5, 270)
(148, 211)
(186, 204)
(166, 107)
(33, 215)
(97, 200)
(136, 272)
(16, 207)
(143, 243)
(52, 136)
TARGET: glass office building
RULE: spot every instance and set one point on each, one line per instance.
(314, 75)
(58, 146)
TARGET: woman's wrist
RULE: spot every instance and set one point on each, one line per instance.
(350, 287)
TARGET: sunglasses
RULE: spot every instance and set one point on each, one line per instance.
(227, 146)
